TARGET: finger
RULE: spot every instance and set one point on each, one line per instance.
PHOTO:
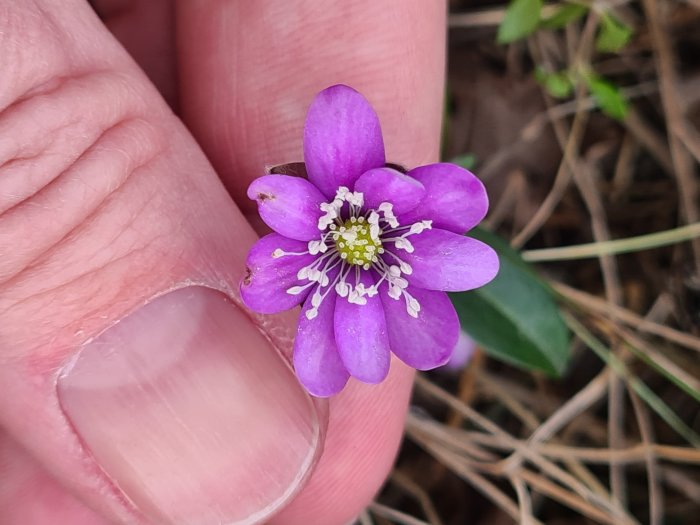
(146, 30)
(249, 72)
(29, 495)
(128, 371)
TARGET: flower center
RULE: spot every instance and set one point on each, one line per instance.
(366, 239)
(355, 243)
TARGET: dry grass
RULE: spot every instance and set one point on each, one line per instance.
(616, 439)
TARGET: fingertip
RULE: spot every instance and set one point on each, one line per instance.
(365, 429)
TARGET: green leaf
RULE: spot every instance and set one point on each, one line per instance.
(522, 18)
(613, 35)
(514, 318)
(466, 161)
(564, 16)
(557, 84)
(608, 96)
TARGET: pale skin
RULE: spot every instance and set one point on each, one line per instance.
(240, 75)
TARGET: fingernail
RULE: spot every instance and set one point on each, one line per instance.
(191, 413)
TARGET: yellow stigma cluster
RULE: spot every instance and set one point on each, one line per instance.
(355, 244)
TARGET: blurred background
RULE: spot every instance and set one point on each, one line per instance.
(575, 394)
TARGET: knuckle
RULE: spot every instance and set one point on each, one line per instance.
(76, 166)
(62, 155)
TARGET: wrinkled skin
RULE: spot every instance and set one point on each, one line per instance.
(240, 75)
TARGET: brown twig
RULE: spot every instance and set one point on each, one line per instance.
(656, 495)
(651, 139)
(415, 490)
(601, 306)
(524, 452)
(570, 143)
(365, 518)
(681, 482)
(629, 455)
(682, 161)
(394, 515)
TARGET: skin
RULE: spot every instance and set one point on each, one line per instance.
(240, 75)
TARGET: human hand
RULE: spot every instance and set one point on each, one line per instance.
(184, 411)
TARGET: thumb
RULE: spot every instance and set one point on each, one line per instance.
(128, 370)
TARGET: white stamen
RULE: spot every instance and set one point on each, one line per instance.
(402, 243)
(412, 305)
(419, 227)
(400, 282)
(324, 221)
(349, 236)
(360, 252)
(374, 232)
(316, 247)
(356, 198)
(386, 207)
(342, 289)
(330, 208)
(354, 297)
(394, 291)
(281, 253)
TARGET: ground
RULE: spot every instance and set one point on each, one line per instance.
(615, 438)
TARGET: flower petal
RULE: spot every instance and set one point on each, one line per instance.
(425, 342)
(388, 185)
(463, 353)
(456, 200)
(289, 205)
(316, 360)
(443, 260)
(361, 336)
(264, 288)
(342, 139)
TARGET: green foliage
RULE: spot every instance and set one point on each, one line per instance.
(558, 84)
(613, 35)
(608, 96)
(466, 161)
(564, 15)
(521, 19)
(514, 318)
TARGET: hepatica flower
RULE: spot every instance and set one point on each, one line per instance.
(368, 251)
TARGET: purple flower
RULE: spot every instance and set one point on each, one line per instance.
(368, 251)
(462, 353)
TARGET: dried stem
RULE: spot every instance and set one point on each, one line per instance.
(682, 161)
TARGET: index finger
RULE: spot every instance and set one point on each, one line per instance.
(248, 72)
